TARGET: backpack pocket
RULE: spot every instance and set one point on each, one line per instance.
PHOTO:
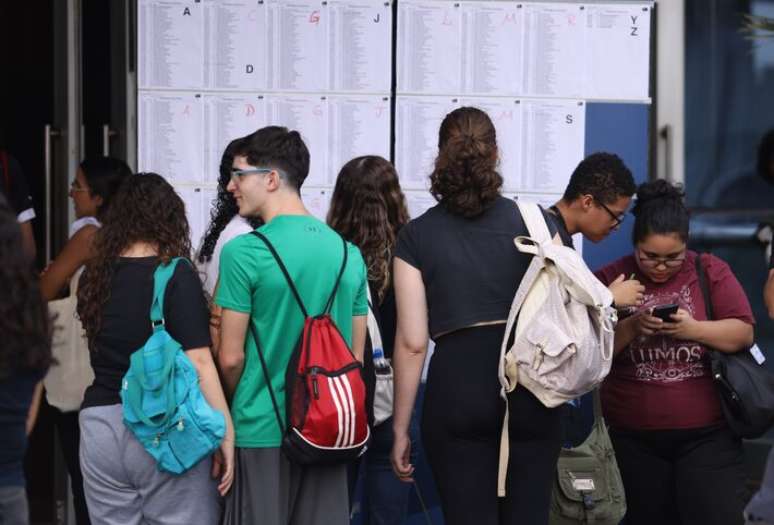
(549, 347)
(187, 441)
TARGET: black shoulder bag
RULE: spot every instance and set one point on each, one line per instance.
(746, 388)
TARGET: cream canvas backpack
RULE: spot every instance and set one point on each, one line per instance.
(562, 345)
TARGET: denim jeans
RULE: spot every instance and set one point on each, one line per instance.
(385, 498)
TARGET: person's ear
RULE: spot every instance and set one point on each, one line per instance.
(587, 202)
(273, 180)
(98, 201)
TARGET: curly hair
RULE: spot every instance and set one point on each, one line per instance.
(25, 327)
(368, 208)
(465, 179)
(660, 209)
(602, 175)
(224, 207)
(145, 209)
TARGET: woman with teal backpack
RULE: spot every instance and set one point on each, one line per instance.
(126, 480)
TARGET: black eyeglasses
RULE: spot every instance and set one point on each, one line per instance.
(618, 219)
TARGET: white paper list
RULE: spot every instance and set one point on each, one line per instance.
(170, 135)
(195, 211)
(297, 45)
(417, 122)
(418, 202)
(506, 115)
(170, 42)
(553, 50)
(429, 44)
(492, 48)
(358, 125)
(235, 54)
(307, 114)
(553, 143)
(618, 49)
(360, 44)
(227, 117)
(317, 201)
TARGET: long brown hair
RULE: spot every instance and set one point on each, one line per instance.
(368, 208)
(145, 209)
(465, 179)
(24, 321)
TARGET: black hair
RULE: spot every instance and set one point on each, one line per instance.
(602, 175)
(660, 210)
(24, 321)
(224, 207)
(104, 175)
(278, 148)
(766, 157)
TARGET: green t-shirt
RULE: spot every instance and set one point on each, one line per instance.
(251, 282)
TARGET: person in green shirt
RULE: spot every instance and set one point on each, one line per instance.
(269, 168)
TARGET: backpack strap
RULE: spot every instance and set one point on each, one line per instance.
(161, 277)
(534, 220)
(267, 377)
(329, 304)
(704, 286)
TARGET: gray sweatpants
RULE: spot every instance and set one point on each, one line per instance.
(269, 490)
(123, 486)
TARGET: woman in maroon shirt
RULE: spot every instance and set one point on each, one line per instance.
(679, 461)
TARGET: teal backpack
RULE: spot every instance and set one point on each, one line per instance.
(163, 405)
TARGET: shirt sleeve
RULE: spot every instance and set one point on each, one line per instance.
(728, 298)
(185, 309)
(406, 247)
(235, 286)
(360, 305)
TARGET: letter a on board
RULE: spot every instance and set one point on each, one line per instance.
(186, 11)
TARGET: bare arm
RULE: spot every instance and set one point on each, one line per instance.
(75, 253)
(32, 414)
(231, 355)
(724, 335)
(408, 358)
(768, 293)
(213, 393)
(28, 240)
(359, 328)
(216, 313)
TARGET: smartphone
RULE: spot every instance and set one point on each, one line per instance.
(664, 312)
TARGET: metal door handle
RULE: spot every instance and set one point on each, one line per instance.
(49, 133)
(107, 134)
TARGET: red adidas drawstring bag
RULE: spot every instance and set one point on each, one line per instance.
(325, 405)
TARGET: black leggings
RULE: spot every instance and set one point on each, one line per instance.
(681, 477)
(461, 425)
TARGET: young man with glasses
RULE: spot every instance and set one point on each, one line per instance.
(595, 204)
(269, 168)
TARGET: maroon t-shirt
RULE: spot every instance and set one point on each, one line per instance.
(659, 382)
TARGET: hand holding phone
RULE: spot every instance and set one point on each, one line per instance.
(664, 312)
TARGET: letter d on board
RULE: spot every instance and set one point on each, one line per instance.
(249, 69)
